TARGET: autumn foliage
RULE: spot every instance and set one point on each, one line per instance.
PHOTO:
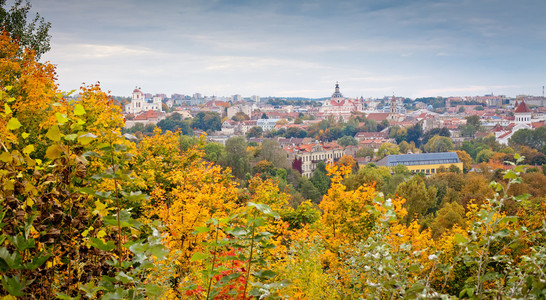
(87, 212)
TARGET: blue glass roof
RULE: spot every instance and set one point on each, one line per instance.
(422, 159)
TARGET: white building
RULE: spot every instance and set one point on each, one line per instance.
(267, 124)
(140, 104)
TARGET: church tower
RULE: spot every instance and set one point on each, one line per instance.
(393, 105)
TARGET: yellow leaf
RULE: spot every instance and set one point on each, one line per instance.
(29, 202)
(28, 149)
(7, 109)
(101, 234)
(24, 135)
(6, 157)
(13, 124)
(79, 110)
(54, 133)
(53, 152)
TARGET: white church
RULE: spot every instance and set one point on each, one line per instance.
(140, 104)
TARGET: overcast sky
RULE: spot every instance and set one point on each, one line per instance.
(300, 48)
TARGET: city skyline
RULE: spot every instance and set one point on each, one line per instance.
(285, 49)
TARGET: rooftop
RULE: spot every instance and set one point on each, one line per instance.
(419, 159)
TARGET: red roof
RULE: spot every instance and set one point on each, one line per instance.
(147, 116)
(378, 117)
(522, 108)
(505, 135)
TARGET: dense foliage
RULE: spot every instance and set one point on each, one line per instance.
(86, 212)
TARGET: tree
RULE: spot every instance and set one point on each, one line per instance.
(473, 124)
(484, 156)
(240, 116)
(535, 139)
(435, 131)
(346, 141)
(254, 132)
(365, 152)
(439, 144)
(319, 178)
(214, 152)
(387, 149)
(309, 191)
(273, 152)
(33, 35)
(449, 215)
(414, 134)
(419, 198)
(207, 121)
(264, 116)
(465, 159)
(236, 157)
(398, 133)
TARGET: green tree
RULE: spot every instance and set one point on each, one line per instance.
(414, 134)
(33, 35)
(319, 179)
(435, 131)
(214, 152)
(419, 198)
(439, 144)
(370, 174)
(346, 141)
(254, 132)
(309, 191)
(207, 121)
(387, 149)
(473, 124)
(237, 157)
(365, 152)
(484, 156)
(535, 139)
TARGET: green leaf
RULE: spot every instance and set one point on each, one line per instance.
(201, 230)
(79, 110)
(159, 251)
(21, 243)
(153, 290)
(198, 256)
(99, 244)
(70, 137)
(90, 289)
(13, 124)
(265, 274)
(54, 133)
(226, 279)
(13, 285)
(460, 239)
(264, 209)
(510, 175)
(37, 261)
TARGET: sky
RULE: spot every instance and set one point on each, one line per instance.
(290, 48)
